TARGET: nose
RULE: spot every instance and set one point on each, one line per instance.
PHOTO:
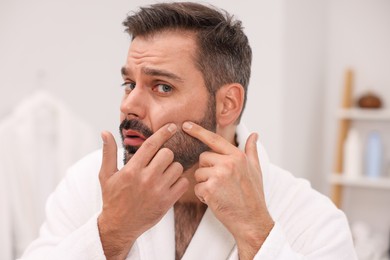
(134, 104)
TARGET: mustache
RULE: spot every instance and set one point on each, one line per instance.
(135, 125)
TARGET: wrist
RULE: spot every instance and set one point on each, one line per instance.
(252, 238)
(116, 245)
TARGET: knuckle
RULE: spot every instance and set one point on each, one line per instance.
(229, 166)
(207, 189)
(213, 140)
(202, 156)
(197, 176)
(145, 181)
(219, 172)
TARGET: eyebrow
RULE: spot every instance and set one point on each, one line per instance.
(154, 72)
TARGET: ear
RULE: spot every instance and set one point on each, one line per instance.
(229, 104)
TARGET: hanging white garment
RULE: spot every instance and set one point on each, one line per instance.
(39, 141)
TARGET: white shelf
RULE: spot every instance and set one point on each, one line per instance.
(364, 114)
(364, 182)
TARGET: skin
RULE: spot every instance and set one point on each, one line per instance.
(137, 196)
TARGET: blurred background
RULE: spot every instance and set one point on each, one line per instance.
(60, 86)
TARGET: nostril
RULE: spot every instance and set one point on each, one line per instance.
(131, 116)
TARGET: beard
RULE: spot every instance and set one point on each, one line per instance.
(186, 149)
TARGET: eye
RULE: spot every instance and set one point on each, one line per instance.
(129, 86)
(162, 88)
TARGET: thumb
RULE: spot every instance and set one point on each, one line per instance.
(251, 149)
(109, 160)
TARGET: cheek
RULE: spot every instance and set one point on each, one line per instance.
(177, 113)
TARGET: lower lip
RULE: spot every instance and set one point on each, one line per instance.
(136, 141)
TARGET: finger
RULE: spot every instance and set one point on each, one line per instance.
(202, 174)
(173, 173)
(251, 149)
(200, 192)
(209, 159)
(109, 160)
(151, 145)
(162, 159)
(216, 142)
(179, 188)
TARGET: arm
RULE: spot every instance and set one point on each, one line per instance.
(230, 182)
(134, 199)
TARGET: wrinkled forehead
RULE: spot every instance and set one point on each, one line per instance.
(172, 50)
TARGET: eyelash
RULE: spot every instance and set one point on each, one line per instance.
(129, 86)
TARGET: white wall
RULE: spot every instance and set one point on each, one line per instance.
(305, 34)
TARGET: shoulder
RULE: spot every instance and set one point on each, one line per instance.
(283, 190)
(306, 216)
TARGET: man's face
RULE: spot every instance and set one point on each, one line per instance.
(164, 86)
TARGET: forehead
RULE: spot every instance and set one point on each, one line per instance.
(168, 54)
(176, 46)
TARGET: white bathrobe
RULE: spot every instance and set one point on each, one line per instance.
(39, 140)
(307, 224)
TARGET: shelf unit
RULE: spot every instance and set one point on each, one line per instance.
(346, 115)
(362, 182)
(364, 114)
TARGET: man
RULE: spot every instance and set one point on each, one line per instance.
(192, 184)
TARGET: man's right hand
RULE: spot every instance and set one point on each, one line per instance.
(136, 197)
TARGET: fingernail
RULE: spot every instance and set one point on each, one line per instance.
(187, 125)
(172, 128)
(256, 137)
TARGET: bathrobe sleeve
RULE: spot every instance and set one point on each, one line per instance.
(332, 246)
(69, 231)
(277, 247)
(307, 224)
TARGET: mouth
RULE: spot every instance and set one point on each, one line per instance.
(132, 138)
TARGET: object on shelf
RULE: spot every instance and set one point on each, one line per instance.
(373, 155)
(353, 155)
(369, 100)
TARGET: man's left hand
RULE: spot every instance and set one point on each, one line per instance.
(230, 182)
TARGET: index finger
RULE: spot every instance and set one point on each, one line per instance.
(216, 142)
(151, 145)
